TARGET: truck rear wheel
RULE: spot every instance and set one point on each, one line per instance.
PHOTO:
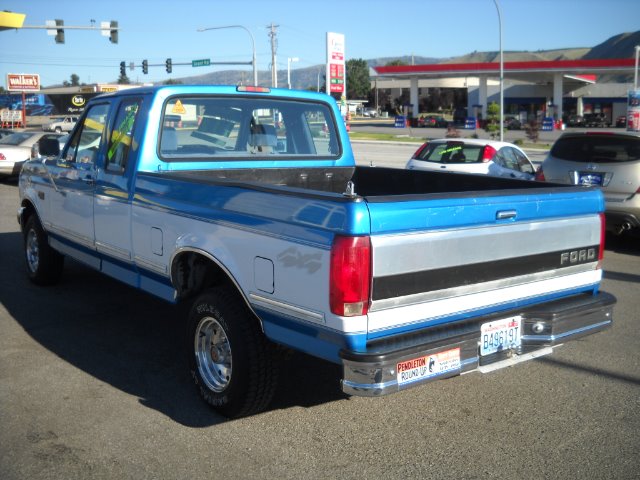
(44, 264)
(230, 359)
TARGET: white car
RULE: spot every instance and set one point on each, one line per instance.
(482, 157)
(16, 148)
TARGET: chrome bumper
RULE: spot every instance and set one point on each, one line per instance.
(374, 373)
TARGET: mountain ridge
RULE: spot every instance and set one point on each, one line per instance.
(618, 46)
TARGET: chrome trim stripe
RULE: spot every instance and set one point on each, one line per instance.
(149, 265)
(340, 325)
(113, 251)
(429, 311)
(560, 336)
(287, 309)
(406, 253)
(72, 236)
(378, 305)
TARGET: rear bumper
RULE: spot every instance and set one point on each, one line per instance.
(455, 347)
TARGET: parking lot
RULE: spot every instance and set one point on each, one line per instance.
(93, 384)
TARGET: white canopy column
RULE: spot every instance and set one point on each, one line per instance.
(557, 94)
(482, 94)
(413, 96)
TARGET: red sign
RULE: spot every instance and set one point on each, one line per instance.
(23, 82)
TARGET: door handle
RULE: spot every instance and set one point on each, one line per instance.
(506, 214)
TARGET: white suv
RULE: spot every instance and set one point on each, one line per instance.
(607, 160)
(60, 124)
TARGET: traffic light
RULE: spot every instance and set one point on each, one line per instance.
(59, 31)
(168, 65)
(145, 67)
(113, 38)
(123, 69)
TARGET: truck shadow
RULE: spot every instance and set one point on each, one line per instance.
(133, 341)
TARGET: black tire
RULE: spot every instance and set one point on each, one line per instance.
(44, 264)
(231, 361)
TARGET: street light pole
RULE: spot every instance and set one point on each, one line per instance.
(289, 61)
(253, 45)
(501, 74)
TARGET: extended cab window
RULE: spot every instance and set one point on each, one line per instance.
(84, 145)
(121, 136)
(211, 128)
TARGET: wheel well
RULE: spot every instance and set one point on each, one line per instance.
(193, 272)
(28, 210)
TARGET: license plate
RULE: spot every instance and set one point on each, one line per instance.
(590, 179)
(428, 366)
(499, 335)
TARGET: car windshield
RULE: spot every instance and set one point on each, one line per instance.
(598, 149)
(451, 152)
(15, 138)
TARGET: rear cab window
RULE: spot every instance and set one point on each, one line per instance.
(246, 128)
(451, 152)
(600, 148)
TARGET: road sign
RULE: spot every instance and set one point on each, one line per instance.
(204, 62)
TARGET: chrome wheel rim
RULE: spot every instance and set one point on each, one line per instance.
(32, 251)
(213, 354)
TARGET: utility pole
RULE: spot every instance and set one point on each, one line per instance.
(274, 46)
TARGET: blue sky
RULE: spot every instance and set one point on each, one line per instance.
(157, 29)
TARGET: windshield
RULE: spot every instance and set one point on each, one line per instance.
(597, 148)
(212, 128)
(451, 152)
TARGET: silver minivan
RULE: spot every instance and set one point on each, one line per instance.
(609, 160)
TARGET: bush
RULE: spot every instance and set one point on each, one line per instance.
(532, 130)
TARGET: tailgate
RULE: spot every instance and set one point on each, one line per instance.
(445, 258)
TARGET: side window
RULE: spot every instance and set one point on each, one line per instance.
(524, 165)
(499, 158)
(122, 135)
(509, 159)
(85, 144)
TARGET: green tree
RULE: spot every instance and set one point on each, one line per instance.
(396, 63)
(358, 82)
(75, 80)
(493, 112)
(123, 80)
(171, 81)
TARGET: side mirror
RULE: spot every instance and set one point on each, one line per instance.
(49, 147)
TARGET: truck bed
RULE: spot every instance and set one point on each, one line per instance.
(368, 182)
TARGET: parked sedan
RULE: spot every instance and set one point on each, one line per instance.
(595, 120)
(574, 121)
(434, 121)
(607, 160)
(484, 157)
(16, 148)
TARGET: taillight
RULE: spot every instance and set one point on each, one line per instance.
(540, 175)
(420, 150)
(488, 153)
(603, 225)
(349, 278)
(2, 157)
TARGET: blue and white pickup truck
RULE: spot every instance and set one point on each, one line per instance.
(246, 203)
